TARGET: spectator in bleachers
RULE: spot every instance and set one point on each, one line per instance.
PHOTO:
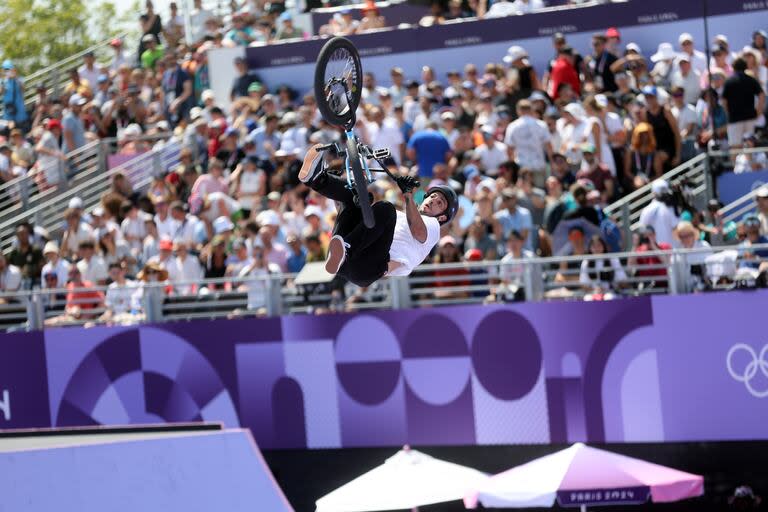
(698, 59)
(514, 217)
(10, 277)
(694, 264)
(83, 301)
(184, 270)
(596, 172)
(297, 253)
(743, 99)
(427, 148)
(55, 265)
(600, 64)
(660, 213)
(650, 269)
(762, 209)
(752, 226)
(564, 74)
(121, 304)
(527, 140)
(91, 265)
(255, 276)
(748, 162)
(12, 94)
(600, 277)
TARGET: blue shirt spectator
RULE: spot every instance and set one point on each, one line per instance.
(73, 129)
(297, 254)
(515, 217)
(13, 95)
(428, 147)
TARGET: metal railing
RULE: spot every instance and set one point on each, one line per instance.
(20, 194)
(534, 279)
(88, 185)
(745, 204)
(55, 76)
(695, 172)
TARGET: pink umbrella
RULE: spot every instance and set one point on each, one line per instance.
(582, 476)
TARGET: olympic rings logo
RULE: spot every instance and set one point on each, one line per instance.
(749, 372)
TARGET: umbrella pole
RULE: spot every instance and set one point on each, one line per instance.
(583, 508)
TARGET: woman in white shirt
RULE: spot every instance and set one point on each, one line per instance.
(694, 263)
(251, 184)
(571, 128)
(596, 133)
(599, 276)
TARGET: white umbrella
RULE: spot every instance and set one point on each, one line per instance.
(406, 480)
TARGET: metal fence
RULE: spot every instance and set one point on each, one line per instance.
(533, 279)
(85, 175)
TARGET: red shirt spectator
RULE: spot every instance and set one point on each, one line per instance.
(564, 72)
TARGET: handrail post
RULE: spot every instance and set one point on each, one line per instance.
(709, 191)
(274, 296)
(626, 226)
(152, 303)
(35, 311)
(102, 155)
(675, 274)
(24, 192)
(400, 291)
(533, 280)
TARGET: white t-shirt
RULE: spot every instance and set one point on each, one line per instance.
(119, 297)
(47, 163)
(94, 270)
(685, 116)
(387, 136)
(166, 228)
(528, 136)
(407, 250)
(257, 286)
(185, 271)
(134, 228)
(62, 272)
(663, 220)
(492, 157)
(10, 279)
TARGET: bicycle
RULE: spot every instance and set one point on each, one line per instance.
(338, 85)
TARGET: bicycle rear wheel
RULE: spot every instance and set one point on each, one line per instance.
(361, 183)
(338, 81)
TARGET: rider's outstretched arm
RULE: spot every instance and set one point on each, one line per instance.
(415, 222)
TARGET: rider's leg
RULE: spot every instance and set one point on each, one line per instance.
(366, 257)
(313, 175)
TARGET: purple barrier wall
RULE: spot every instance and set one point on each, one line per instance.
(649, 369)
(450, 46)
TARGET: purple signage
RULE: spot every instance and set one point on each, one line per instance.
(592, 497)
(683, 368)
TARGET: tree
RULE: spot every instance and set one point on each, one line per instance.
(39, 33)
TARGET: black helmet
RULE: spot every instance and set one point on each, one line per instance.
(450, 197)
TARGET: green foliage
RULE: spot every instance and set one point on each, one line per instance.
(38, 33)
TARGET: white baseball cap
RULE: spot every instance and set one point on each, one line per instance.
(514, 53)
(685, 36)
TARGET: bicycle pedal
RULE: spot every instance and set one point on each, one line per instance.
(381, 153)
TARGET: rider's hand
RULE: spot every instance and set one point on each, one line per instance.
(406, 183)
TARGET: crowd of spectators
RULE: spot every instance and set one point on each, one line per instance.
(535, 157)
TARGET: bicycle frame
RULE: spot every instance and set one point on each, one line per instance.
(350, 134)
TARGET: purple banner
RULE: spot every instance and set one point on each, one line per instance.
(595, 497)
(452, 45)
(633, 370)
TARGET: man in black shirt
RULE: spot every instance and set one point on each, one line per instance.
(738, 99)
(243, 80)
(600, 65)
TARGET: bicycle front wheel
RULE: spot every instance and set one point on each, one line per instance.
(338, 81)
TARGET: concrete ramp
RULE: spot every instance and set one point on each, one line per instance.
(208, 471)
